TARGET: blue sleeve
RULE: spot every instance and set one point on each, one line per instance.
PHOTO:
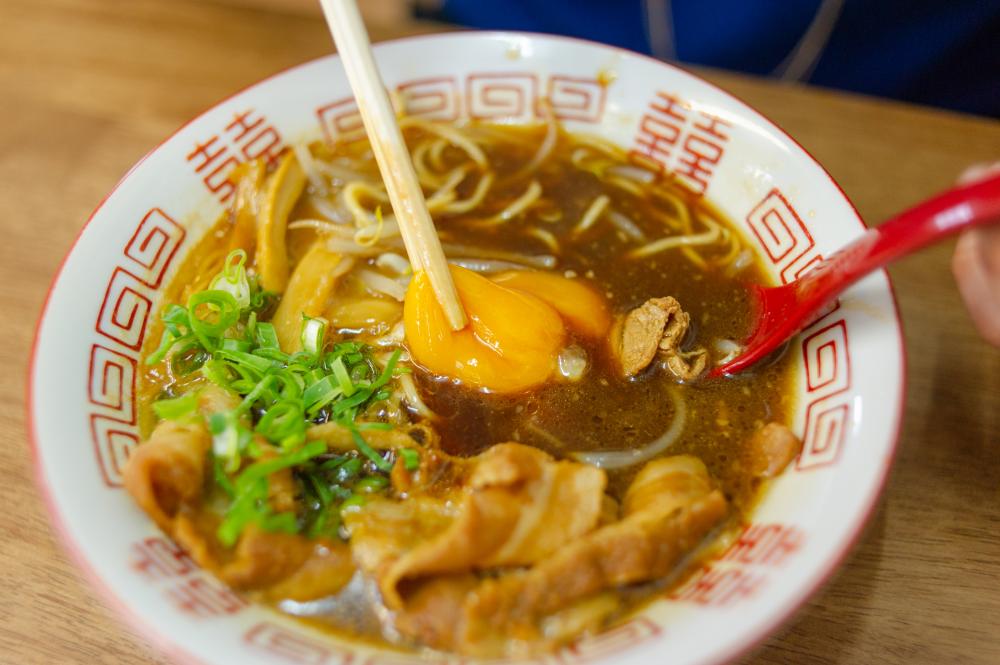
(940, 52)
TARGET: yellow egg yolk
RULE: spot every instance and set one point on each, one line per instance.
(583, 309)
(515, 329)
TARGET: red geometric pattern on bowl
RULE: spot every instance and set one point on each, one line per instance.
(123, 317)
(674, 137)
(789, 247)
(125, 309)
(112, 382)
(513, 96)
(577, 99)
(611, 642)
(785, 239)
(153, 245)
(340, 120)
(293, 646)
(161, 563)
(827, 364)
(436, 98)
(249, 135)
(743, 570)
(113, 441)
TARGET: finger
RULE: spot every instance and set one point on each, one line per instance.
(976, 267)
(978, 172)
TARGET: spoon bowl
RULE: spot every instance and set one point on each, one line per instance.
(779, 312)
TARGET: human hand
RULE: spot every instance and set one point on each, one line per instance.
(976, 267)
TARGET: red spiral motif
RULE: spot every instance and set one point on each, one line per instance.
(784, 238)
(125, 310)
(512, 96)
(578, 99)
(153, 245)
(340, 120)
(292, 646)
(112, 381)
(827, 363)
(431, 98)
(611, 643)
(113, 441)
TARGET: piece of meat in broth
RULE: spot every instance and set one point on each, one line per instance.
(513, 505)
(659, 325)
(166, 477)
(772, 448)
(167, 472)
(669, 508)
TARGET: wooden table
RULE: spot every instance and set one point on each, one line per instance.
(88, 86)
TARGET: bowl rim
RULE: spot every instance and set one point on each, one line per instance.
(172, 647)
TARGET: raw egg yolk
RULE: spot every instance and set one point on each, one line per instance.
(583, 309)
(515, 329)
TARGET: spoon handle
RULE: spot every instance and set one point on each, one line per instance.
(932, 220)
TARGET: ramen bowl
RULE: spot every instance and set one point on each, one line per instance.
(849, 363)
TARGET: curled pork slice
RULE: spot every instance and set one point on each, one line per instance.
(166, 476)
(659, 325)
(513, 505)
(668, 510)
(281, 565)
(772, 448)
(168, 471)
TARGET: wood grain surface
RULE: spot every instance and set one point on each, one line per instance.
(88, 86)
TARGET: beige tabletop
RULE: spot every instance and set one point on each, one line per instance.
(88, 86)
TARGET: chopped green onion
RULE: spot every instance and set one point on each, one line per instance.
(352, 504)
(371, 484)
(221, 306)
(370, 452)
(284, 423)
(244, 510)
(254, 394)
(221, 479)
(235, 345)
(227, 438)
(233, 279)
(313, 334)
(330, 464)
(382, 427)
(261, 470)
(343, 379)
(282, 522)
(267, 337)
(167, 341)
(348, 470)
(187, 356)
(248, 360)
(217, 372)
(176, 408)
(320, 394)
(321, 489)
(410, 458)
(219, 334)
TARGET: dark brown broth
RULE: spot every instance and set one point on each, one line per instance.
(604, 411)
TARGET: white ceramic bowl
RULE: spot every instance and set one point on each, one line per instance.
(850, 363)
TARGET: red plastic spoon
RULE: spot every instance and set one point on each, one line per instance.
(782, 311)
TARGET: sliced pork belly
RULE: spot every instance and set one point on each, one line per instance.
(514, 505)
